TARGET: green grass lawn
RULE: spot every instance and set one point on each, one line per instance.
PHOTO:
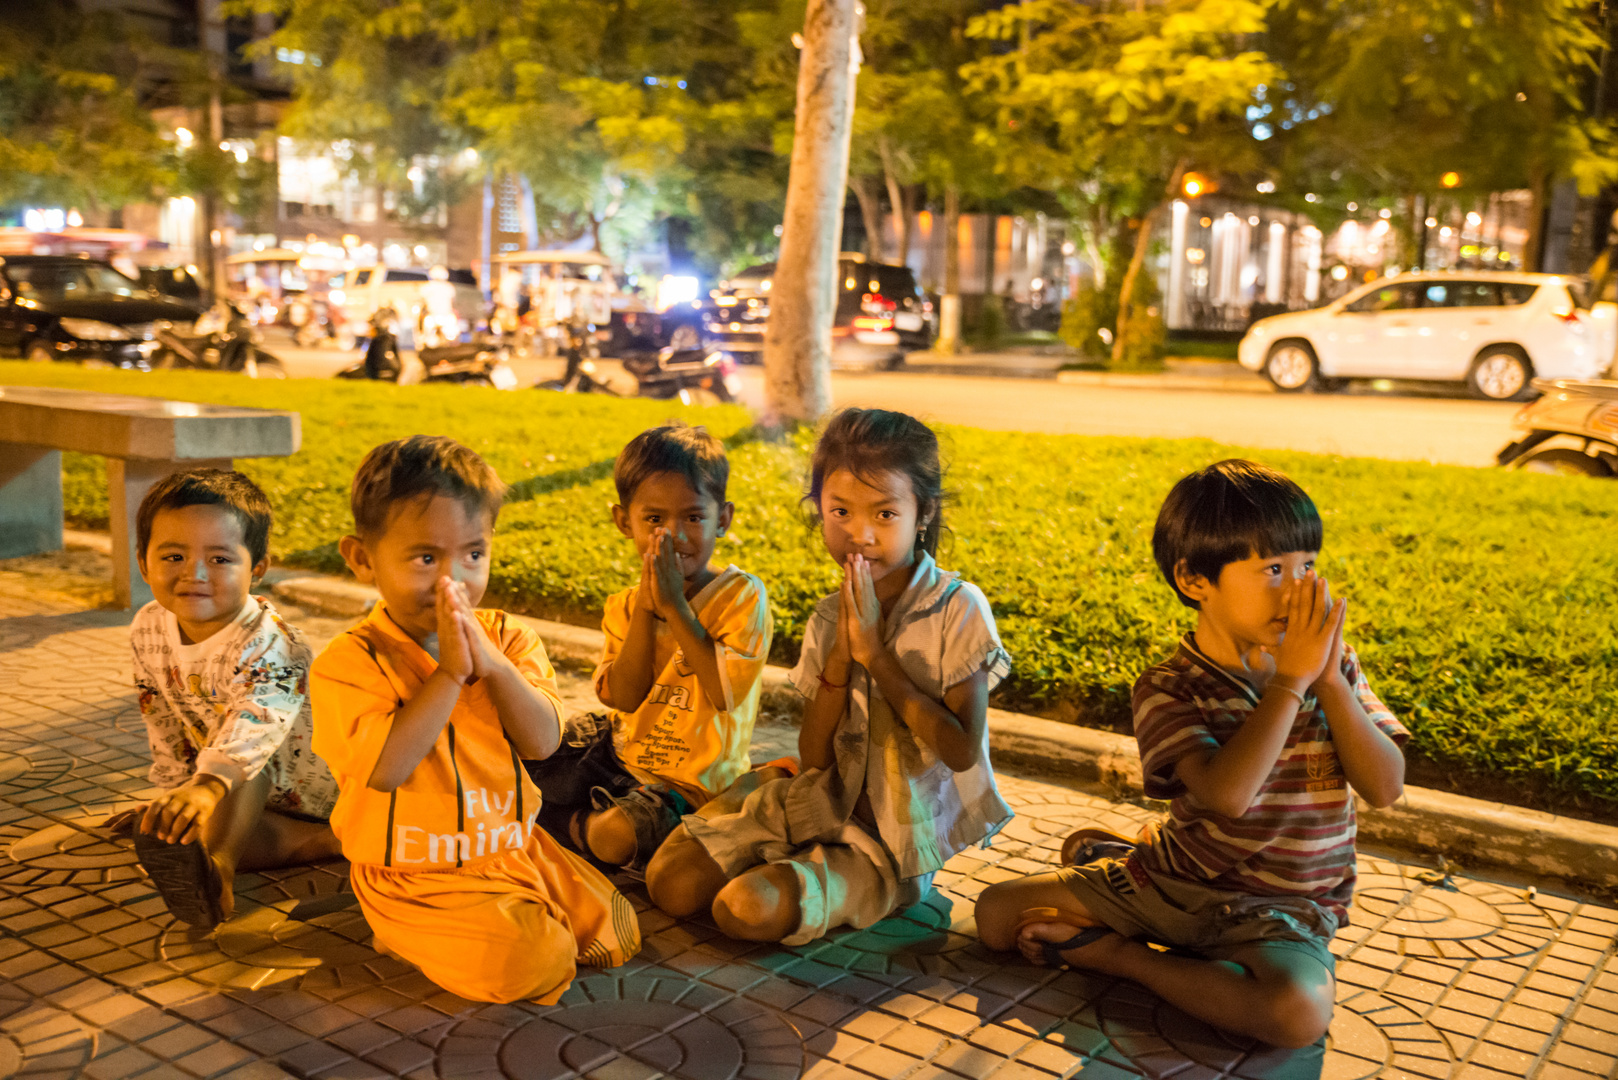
(1483, 601)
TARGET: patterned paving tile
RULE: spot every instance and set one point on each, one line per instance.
(1459, 977)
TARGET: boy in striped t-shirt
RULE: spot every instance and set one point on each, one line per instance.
(1260, 729)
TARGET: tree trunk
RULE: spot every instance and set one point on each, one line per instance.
(1143, 240)
(949, 307)
(870, 201)
(797, 342)
(1539, 185)
(899, 198)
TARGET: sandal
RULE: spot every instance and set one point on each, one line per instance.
(185, 877)
(1093, 843)
(1053, 950)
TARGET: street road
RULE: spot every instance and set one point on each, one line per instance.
(1404, 427)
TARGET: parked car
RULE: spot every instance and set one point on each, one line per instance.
(881, 314)
(1496, 332)
(175, 283)
(67, 307)
(359, 293)
(1572, 429)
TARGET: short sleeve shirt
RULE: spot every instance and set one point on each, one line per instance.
(677, 735)
(1297, 838)
(469, 798)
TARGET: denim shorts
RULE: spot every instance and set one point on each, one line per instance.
(1216, 923)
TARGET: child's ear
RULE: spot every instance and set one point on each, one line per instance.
(727, 514)
(620, 518)
(140, 564)
(1191, 585)
(352, 549)
(260, 568)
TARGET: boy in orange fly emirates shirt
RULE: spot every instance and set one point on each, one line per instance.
(424, 712)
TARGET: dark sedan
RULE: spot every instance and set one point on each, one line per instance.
(56, 307)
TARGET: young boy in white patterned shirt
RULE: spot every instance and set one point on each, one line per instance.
(223, 684)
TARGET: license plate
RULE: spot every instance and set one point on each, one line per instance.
(907, 320)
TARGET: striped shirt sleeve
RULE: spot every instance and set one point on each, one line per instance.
(1379, 713)
(1168, 726)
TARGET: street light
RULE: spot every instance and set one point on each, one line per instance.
(1450, 179)
(1196, 184)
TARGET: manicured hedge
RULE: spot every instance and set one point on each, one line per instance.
(1484, 601)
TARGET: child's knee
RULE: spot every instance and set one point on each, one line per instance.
(1296, 1013)
(998, 910)
(681, 878)
(611, 836)
(761, 905)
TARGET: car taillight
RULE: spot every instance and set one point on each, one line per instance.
(876, 304)
(1567, 315)
(867, 322)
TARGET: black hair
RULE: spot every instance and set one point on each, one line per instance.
(244, 499)
(407, 469)
(867, 442)
(674, 447)
(1230, 511)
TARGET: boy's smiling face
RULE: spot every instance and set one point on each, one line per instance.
(198, 566)
(693, 518)
(425, 538)
(1247, 606)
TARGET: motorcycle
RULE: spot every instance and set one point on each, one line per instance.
(474, 363)
(222, 339)
(694, 376)
(1568, 409)
(581, 376)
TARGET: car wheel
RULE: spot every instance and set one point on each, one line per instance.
(1501, 373)
(40, 353)
(1291, 366)
(1564, 461)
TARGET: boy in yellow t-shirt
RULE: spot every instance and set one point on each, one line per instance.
(683, 665)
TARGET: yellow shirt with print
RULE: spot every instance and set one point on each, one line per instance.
(677, 736)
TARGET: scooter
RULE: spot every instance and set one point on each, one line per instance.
(223, 339)
(1568, 410)
(581, 375)
(381, 351)
(470, 364)
(694, 376)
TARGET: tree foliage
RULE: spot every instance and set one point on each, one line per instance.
(73, 126)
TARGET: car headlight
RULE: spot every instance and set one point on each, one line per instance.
(95, 330)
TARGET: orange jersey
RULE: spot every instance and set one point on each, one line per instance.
(470, 797)
(678, 736)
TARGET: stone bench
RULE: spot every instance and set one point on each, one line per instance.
(143, 440)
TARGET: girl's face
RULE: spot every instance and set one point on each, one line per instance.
(876, 517)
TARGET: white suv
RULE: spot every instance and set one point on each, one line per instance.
(1493, 331)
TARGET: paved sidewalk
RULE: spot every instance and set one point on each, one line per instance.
(1458, 977)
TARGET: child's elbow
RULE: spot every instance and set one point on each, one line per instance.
(962, 757)
(1385, 795)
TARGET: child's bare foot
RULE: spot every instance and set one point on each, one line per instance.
(1094, 948)
(226, 886)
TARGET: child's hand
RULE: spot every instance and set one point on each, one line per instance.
(1314, 625)
(668, 580)
(864, 611)
(1333, 671)
(646, 594)
(454, 643)
(486, 657)
(180, 815)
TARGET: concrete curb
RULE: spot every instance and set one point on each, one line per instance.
(1250, 384)
(1463, 831)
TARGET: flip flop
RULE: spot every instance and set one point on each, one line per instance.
(1085, 846)
(185, 877)
(1053, 950)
